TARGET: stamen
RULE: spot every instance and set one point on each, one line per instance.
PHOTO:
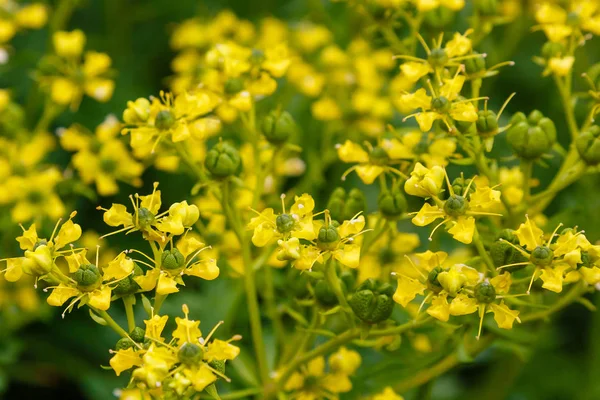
(504, 105)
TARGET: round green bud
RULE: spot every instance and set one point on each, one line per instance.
(336, 204)
(372, 302)
(573, 18)
(328, 237)
(138, 334)
(87, 277)
(460, 184)
(531, 137)
(278, 126)
(144, 218)
(474, 65)
(484, 292)
(285, 223)
(172, 259)
(234, 85)
(343, 206)
(218, 365)
(124, 344)
(552, 49)
(487, 7)
(463, 127)
(456, 205)
(386, 256)
(347, 279)
(379, 156)
(432, 278)
(40, 242)
(190, 354)
(164, 120)
(586, 260)
(438, 18)
(128, 285)
(541, 256)
(588, 145)
(486, 123)
(324, 295)
(223, 160)
(441, 104)
(502, 253)
(355, 203)
(438, 57)
(392, 204)
(213, 238)
(108, 165)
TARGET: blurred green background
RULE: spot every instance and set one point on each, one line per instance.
(53, 358)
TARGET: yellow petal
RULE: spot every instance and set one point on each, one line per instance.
(100, 298)
(463, 229)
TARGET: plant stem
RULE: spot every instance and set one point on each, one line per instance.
(158, 302)
(272, 306)
(575, 292)
(111, 322)
(527, 171)
(564, 89)
(128, 302)
(483, 252)
(334, 283)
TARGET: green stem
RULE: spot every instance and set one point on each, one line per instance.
(575, 292)
(527, 171)
(564, 89)
(128, 302)
(158, 302)
(111, 322)
(272, 306)
(563, 178)
(483, 252)
(334, 283)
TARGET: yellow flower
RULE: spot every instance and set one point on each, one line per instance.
(424, 182)
(560, 66)
(387, 394)
(69, 44)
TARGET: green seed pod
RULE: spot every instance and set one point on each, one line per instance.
(324, 295)
(486, 123)
(485, 292)
(144, 218)
(218, 365)
(586, 260)
(432, 279)
(129, 285)
(138, 334)
(531, 137)
(164, 120)
(552, 49)
(456, 205)
(172, 259)
(328, 237)
(285, 223)
(474, 65)
(87, 277)
(372, 302)
(234, 85)
(463, 127)
(588, 145)
(348, 280)
(460, 184)
(541, 256)
(487, 8)
(124, 344)
(278, 126)
(223, 160)
(190, 354)
(343, 206)
(379, 156)
(503, 253)
(438, 18)
(392, 204)
(441, 104)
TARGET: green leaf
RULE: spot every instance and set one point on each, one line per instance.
(97, 319)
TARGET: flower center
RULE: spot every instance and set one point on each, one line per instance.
(456, 205)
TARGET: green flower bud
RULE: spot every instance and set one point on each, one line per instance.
(456, 205)
(586, 260)
(487, 7)
(172, 259)
(392, 204)
(218, 365)
(278, 126)
(437, 58)
(348, 280)
(474, 65)
(503, 253)
(438, 18)
(588, 145)
(324, 294)
(552, 49)
(164, 120)
(541, 256)
(234, 85)
(379, 156)
(190, 354)
(485, 292)
(386, 256)
(138, 334)
(144, 218)
(343, 206)
(441, 104)
(531, 137)
(460, 184)
(87, 277)
(124, 344)
(463, 127)
(40, 242)
(372, 302)
(328, 237)
(573, 18)
(128, 285)
(486, 123)
(285, 223)
(223, 160)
